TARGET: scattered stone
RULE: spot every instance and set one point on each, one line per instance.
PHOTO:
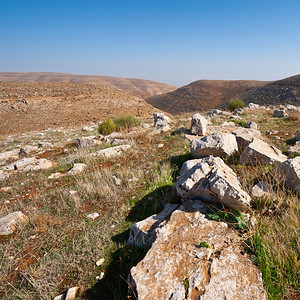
(211, 180)
(116, 180)
(70, 294)
(55, 175)
(45, 145)
(253, 106)
(143, 233)
(228, 124)
(277, 137)
(198, 125)
(113, 151)
(178, 267)
(116, 142)
(77, 169)
(146, 126)
(217, 144)
(88, 128)
(244, 136)
(279, 113)
(100, 262)
(22, 153)
(259, 152)
(272, 132)
(101, 276)
(295, 148)
(262, 189)
(238, 111)
(161, 122)
(3, 175)
(6, 189)
(289, 173)
(39, 164)
(10, 222)
(93, 216)
(160, 145)
(298, 135)
(251, 125)
(87, 142)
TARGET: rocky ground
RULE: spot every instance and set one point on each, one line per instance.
(126, 212)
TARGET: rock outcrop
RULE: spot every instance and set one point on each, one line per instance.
(198, 125)
(262, 189)
(161, 122)
(244, 136)
(289, 173)
(10, 222)
(196, 258)
(109, 152)
(77, 169)
(211, 180)
(217, 144)
(259, 152)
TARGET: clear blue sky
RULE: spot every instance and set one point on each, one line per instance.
(166, 40)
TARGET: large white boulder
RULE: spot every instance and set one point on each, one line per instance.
(217, 144)
(289, 173)
(198, 125)
(196, 258)
(244, 136)
(77, 169)
(259, 152)
(211, 180)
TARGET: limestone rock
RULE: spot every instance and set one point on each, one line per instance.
(70, 294)
(10, 222)
(289, 172)
(211, 180)
(116, 180)
(30, 164)
(259, 152)
(110, 152)
(93, 216)
(87, 142)
(218, 271)
(298, 135)
(143, 233)
(161, 122)
(244, 136)
(3, 175)
(295, 148)
(217, 144)
(56, 175)
(198, 125)
(44, 144)
(251, 125)
(262, 189)
(77, 169)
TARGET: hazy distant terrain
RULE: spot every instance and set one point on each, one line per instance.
(202, 95)
(138, 87)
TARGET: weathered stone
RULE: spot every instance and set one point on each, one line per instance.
(298, 135)
(251, 125)
(279, 113)
(259, 152)
(211, 180)
(262, 189)
(77, 169)
(113, 151)
(178, 266)
(295, 148)
(161, 120)
(253, 106)
(143, 233)
(89, 128)
(116, 180)
(198, 125)
(30, 164)
(244, 136)
(289, 173)
(217, 144)
(12, 155)
(45, 145)
(3, 175)
(6, 189)
(10, 222)
(70, 294)
(55, 175)
(93, 216)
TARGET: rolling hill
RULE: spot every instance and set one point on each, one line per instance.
(137, 87)
(202, 95)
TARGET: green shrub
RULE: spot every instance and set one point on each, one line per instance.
(126, 122)
(236, 103)
(107, 127)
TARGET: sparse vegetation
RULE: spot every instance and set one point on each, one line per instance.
(236, 103)
(108, 126)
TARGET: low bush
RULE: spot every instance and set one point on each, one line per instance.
(236, 103)
(126, 122)
(108, 126)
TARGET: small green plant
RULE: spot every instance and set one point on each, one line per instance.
(203, 244)
(239, 122)
(186, 285)
(236, 103)
(108, 126)
(126, 122)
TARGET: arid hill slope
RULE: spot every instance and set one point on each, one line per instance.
(32, 106)
(285, 91)
(138, 87)
(201, 95)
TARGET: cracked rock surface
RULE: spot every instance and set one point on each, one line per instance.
(196, 258)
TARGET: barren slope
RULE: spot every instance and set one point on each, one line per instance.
(285, 91)
(201, 95)
(31, 106)
(138, 87)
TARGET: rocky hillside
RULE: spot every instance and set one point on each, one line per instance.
(285, 91)
(201, 95)
(27, 106)
(138, 87)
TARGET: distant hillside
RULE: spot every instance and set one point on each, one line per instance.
(285, 91)
(137, 87)
(202, 95)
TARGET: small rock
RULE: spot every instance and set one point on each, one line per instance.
(3, 175)
(77, 169)
(70, 294)
(100, 262)
(10, 222)
(93, 216)
(88, 128)
(298, 135)
(279, 113)
(160, 145)
(295, 148)
(198, 125)
(45, 145)
(251, 124)
(262, 189)
(55, 175)
(109, 152)
(117, 180)
(22, 153)
(6, 189)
